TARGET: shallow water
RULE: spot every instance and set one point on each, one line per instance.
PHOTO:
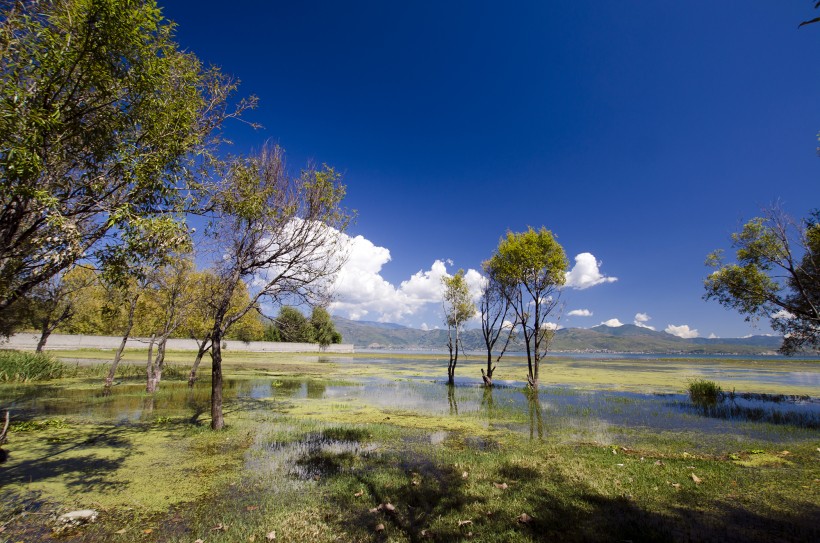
(566, 413)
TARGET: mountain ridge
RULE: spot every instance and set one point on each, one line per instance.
(627, 338)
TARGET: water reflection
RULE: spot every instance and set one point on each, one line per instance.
(451, 398)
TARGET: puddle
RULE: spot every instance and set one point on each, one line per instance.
(312, 458)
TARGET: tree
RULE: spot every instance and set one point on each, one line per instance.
(776, 276)
(52, 303)
(293, 326)
(494, 308)
(458, 308)
(530, 268)
(324, 333)
(282, 232)
(104, 126)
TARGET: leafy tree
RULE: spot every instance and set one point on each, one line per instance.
(281, 231)
(208, 291)
(271, 333)
(530, 269)
(53, 302)
(104, 124)
(458, 309)
(293, 326)
(494, 308)
(324, 333)
(776, 276)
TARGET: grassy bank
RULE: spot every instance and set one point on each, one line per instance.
(305, 460)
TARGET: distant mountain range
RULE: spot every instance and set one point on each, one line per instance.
(622, 339)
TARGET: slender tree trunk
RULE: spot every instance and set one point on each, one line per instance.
(109, 380)
(451, 398)
(149, 367)
(217, 422)
(203, 348)
(159, 362)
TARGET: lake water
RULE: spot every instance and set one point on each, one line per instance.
(566, 413)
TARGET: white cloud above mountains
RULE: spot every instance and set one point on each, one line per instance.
(681, 331)
(641, 319)
(614, 323)
(361, 293)
(580, 313)
(585, 273)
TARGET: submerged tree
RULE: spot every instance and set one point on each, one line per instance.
(776, 276)
(494, 307)
(530, 269)
(104, 123)
(280, 231)
(458, 308)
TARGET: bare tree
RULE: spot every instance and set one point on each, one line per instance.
(494, 308)
(282, 234)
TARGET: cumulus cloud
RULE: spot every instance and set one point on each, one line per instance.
(362, 293)
(782, 314)
(585, 273)
(551, 326)
(580, 313)
(641, 319)
(614, 323)
(681, 331)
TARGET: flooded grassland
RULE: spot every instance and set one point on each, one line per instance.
(378, 448)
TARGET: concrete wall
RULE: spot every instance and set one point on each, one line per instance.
(57, 342)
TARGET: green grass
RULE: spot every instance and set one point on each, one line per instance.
(22, 367)
(315, 468)
(704, 392)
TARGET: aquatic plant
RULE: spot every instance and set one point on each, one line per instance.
(704, 392)
(18, 366)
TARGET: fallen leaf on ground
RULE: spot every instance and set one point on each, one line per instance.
(464, 522)
(252, 507)
(502, 486)
(464, 475)
(270, 536)
(426, 533)
(676, 485)
(148, 530)
(199, 541)
(220, 528)
(695, 478)
(359, 493)
(389, 507)
(252, 538)
(379, 527)
(524, 518)
(784, 453)
(658, 463)
(375, 509)
(117, 532)
(414, 482)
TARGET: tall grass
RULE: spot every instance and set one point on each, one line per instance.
(21, 367)
(704, 392)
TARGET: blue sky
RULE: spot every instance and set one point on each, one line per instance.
(641, 132)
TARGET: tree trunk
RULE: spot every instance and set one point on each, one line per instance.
(217, 422)
(41, 344)
(149, 367)
(203, 348)
(451, 398)
(109, 380)
(159, 362)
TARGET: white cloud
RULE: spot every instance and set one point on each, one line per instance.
(585, 273)
(362, 293)
(614, 323)
(641, 319)
(580, 313)
(551, 326)
(712, 336)
(681, 331)
(782, 314)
